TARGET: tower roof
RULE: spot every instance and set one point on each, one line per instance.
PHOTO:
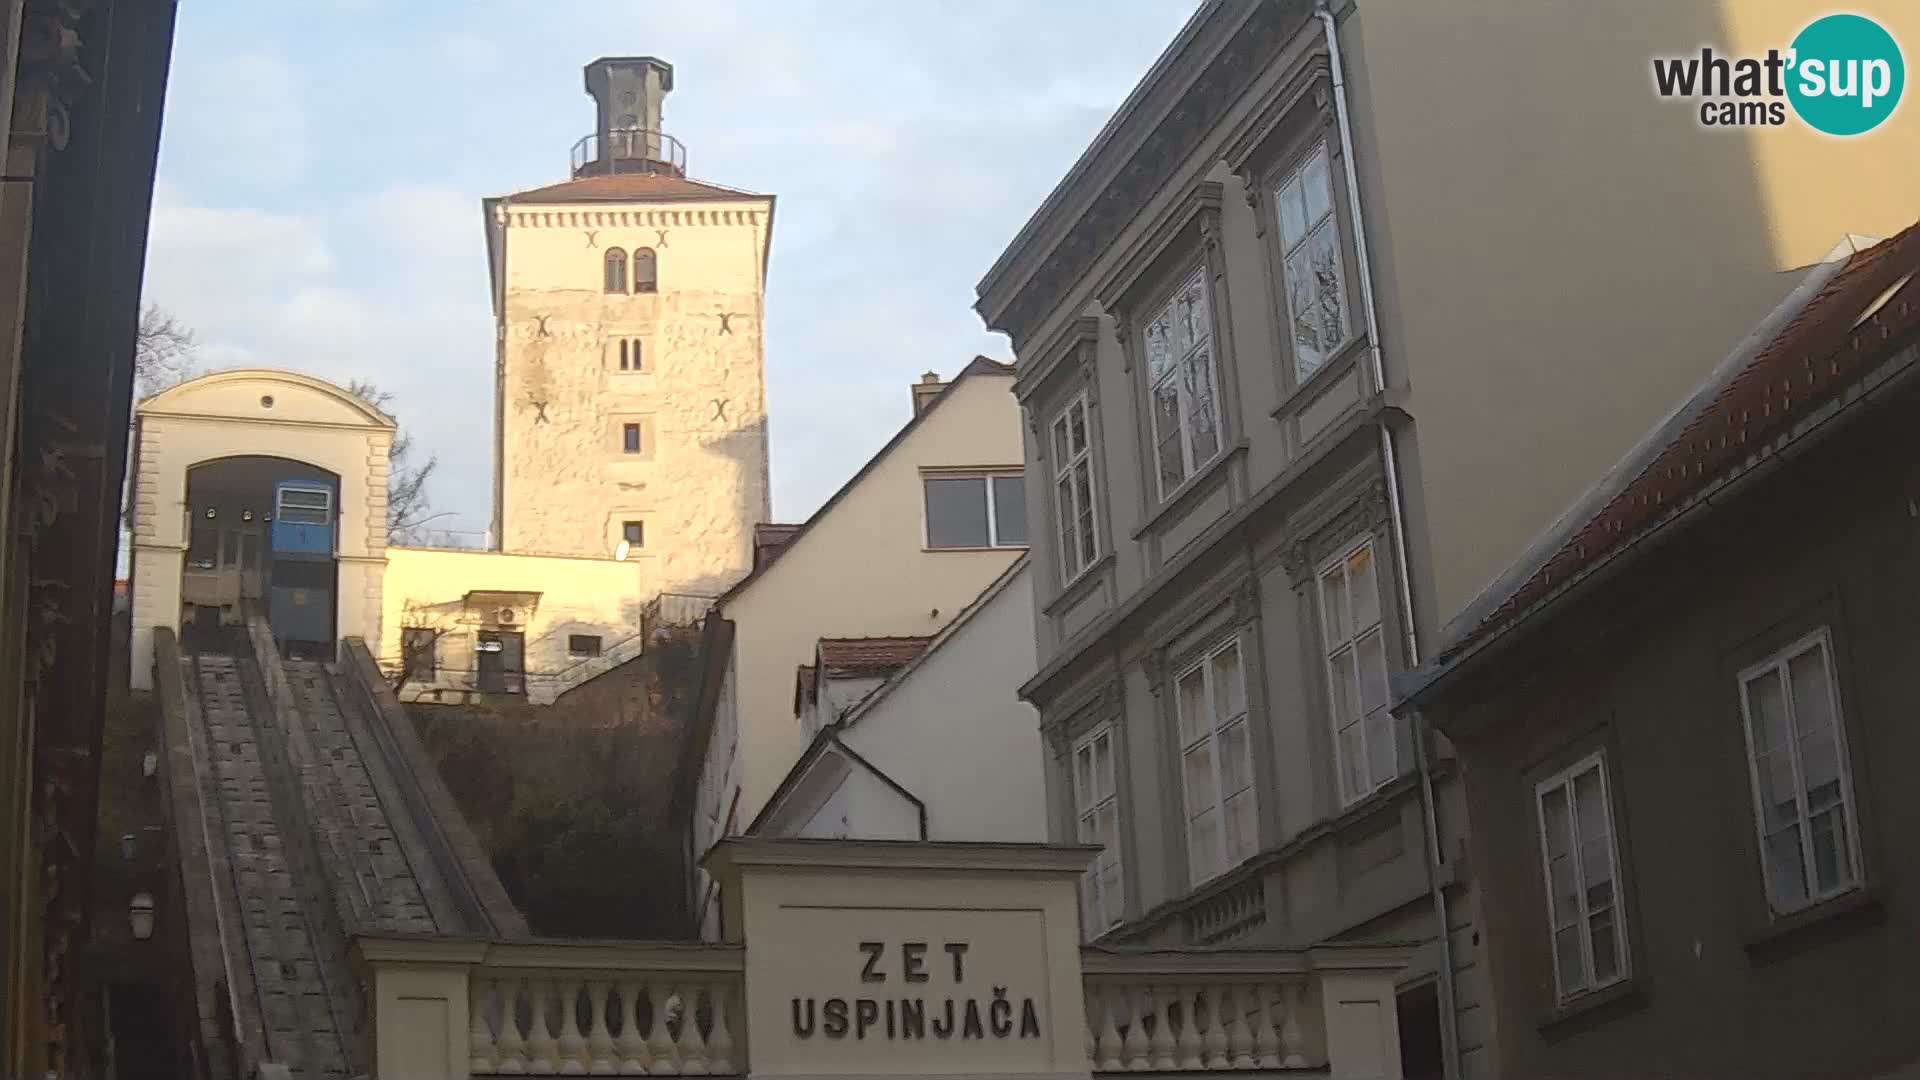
(629, 187)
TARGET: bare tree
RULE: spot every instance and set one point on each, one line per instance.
(164, 351)
(407, 502)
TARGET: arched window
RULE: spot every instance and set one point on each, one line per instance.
(617, 270)
(645, 273)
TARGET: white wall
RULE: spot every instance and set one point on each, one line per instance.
(863, 807)
(954, 732)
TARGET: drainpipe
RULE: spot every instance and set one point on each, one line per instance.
(1449, 1026)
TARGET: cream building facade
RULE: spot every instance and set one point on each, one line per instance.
(632, 404)
(864, 564)
(1338, 311)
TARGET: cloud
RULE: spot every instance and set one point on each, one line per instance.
(241, 116)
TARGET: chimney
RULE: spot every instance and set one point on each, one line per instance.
(627, 94)
(925, 391)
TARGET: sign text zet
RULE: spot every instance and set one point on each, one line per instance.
(920, 1016)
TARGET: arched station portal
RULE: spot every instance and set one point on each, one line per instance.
(263, 535)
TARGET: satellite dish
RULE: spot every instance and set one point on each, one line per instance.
(620, 551)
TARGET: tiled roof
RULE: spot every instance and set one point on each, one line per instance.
(852, 657)
(1835, 337)
(629, 187)
(768, 539)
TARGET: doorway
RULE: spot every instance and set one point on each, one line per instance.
(501, 661)
(1421, 1055)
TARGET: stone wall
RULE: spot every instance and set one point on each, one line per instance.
(570, 800)
(699, 480)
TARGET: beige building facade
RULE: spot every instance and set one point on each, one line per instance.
(1338, 311)
(207, 456)
(631, 400)
(866, 563)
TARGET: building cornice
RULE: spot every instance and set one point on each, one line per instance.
(1231, 45)
(736, 853)
(532, 216)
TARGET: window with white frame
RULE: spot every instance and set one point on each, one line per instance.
(1365, 739)
(1315, 284)
(1182, 385)
(1802, 786)
(1073, 489)
(1096, 805)
(1584, 913)
(1216, 763)
(976, 510)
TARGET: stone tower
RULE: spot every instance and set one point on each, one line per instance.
(630, 401)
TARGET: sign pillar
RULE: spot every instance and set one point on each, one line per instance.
(908, 959)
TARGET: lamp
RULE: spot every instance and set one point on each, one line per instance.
(140, 915)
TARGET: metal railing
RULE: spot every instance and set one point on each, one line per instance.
(629, 150)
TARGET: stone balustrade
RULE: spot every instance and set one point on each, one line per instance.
(565, 1008)
(1203, 1010)
(631, 1009)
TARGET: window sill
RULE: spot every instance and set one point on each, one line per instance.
(1082, 584)
(1016, 548)
(1593, 1008)
(1810, 927)
(1184, 495)
(1336, 368)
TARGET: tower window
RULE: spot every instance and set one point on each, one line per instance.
(634, 533)
(631, 355)
(616, 270)
(645, 271)
(630, 438)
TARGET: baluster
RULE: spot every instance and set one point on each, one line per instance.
(1160, 1002)
(720, 1043)
(600, 1038)
(1190, 1043)
(541, 1050)
(693, 1048)
(662, 1060)
(1292, 1040)
(1138, 1049)
(1108, 1057)
(1218, 999)
(484, 1058)
(573, 1048)
(1266, 1043)
(633, 1043)
(513, 1048)
(1239, 1039)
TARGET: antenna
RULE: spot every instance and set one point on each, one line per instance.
(621, 550)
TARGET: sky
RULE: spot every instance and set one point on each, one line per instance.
(322, 165)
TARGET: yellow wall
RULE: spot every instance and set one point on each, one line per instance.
(1547, 231)
(426, 587)
(226, 415)
(701, 482)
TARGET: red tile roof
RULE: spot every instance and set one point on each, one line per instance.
(629, 187)
(853, 657)
(1835, 337)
